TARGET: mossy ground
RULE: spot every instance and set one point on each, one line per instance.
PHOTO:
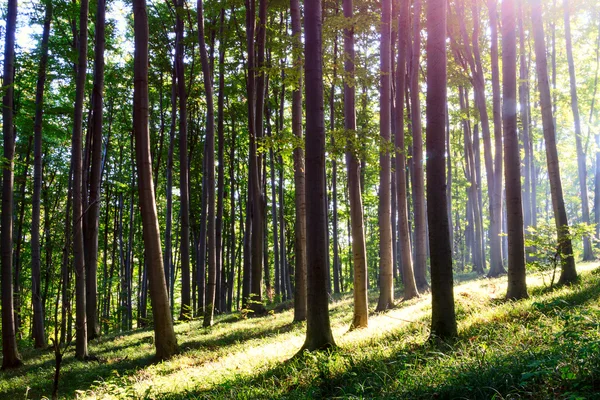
(545, 347)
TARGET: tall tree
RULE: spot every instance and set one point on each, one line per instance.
(209, 170)
(299, 178)
(164, 335)
(418, 179)
(517, 286)
(408, 277)
(81, 349)
(39, 336)
(10, 353)
(565, 247)
(588, 253)
(93, 213)
(359, 248)
(443, 318)
(386, 280)
(318, 327)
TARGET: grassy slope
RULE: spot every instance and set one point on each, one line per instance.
(544, 347)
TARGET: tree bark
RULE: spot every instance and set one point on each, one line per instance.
(359, 250)
(517, 285)
(38, 332)
(408, 277)
(10, 353)
(588, 253)
(443, 318)
(318, 328)
(164, 335)
(565, 247)
(386, 280)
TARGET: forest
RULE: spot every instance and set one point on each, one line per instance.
(268, 199)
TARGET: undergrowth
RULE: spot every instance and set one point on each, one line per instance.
(545, 347)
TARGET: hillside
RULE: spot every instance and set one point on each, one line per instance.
(545, 347)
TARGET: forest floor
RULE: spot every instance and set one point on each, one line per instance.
(545, 347)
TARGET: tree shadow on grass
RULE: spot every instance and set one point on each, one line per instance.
(566, 364)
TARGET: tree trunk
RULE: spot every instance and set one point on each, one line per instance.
(318, 328)
(81, 349)
(299, 179)
(386, 281)
(10, 353)
(93, 212)
(38, 332)
(186, 306)
(359, 250)
(164, 335)
(517, 286)
(209, 171)
(565, 247)
(418, 182)
(221, 169)
(588, 253)
(443, 319)
(408, 277)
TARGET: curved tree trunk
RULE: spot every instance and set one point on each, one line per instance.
(164, 335)
(359, 250)
(565, 247)
(588, 253)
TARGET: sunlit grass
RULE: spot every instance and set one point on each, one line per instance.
(518, 348)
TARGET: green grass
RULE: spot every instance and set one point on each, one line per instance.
(545, 347)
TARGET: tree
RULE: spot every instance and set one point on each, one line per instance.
(209, 170)
(408, 277)
(93, 212)
(517, 286)
(359, 249)
(588, 253)
(299, 178)
(81, 349)
(565, 247)
(10, 353)
(164, 335)
(386, 281)
(186, 304)
(443, 318)
(39, 335)
(318, 328)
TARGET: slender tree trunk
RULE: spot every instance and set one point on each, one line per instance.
(299, 178)
(517, 286)
(169, 189)
(408, 277)
(443, 319)
(39, 335)
(93, 212)
(418, 182)
(209, 171)
(588, 253)
(10, 353)
(318, 328)
(81, 349)
(186, 306)
(359, 250)
(386, 281)
(565, 247)
(164, 335)
(524, 108)
(221, 169)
